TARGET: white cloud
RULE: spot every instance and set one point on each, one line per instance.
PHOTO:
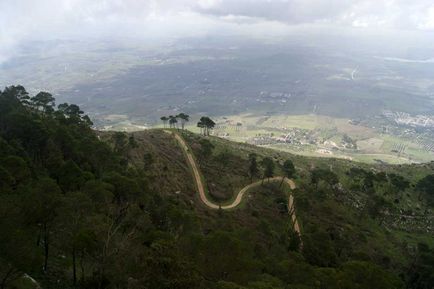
(208, 4)
(23, 20)
(427, 22)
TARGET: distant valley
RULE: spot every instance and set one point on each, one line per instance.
(129, 87)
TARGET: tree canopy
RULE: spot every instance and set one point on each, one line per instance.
(206, 124)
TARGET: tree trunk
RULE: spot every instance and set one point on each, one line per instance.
(46, 247)
(74, 267)
(82, 266)
(101, 276)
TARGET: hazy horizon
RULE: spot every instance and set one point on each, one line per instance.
(151, 21)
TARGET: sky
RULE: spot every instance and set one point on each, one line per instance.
(25, 20)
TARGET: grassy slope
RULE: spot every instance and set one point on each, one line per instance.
(261, 219)
(226, 170)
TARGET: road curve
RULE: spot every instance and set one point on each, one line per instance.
(201, 188)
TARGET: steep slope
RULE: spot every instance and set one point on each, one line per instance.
(86, 209)
(239, 195)
(352, 221)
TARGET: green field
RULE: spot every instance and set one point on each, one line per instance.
(372, 145)
(326, 132)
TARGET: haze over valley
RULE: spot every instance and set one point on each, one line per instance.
(382, 86)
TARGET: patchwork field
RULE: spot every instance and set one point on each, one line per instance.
(321, 136)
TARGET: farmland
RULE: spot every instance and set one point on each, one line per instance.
(321, 136)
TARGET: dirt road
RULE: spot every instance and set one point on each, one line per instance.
(201, 188)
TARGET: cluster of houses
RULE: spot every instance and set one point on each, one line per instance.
(403, 118)
(294, 136)
(273, 97)
(300, 137)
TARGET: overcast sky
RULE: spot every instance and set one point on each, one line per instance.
(23, 20)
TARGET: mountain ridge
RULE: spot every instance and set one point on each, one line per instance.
(88, 209)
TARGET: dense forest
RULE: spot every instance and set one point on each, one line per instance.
(87, 209)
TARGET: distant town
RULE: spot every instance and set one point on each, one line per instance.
(403, 118)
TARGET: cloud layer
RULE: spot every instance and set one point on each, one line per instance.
(44, 19)
(399, 14)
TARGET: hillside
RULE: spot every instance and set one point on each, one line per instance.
(88, 209)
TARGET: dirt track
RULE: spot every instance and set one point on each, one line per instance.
(200, 187)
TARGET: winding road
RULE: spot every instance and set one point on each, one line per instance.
(201, 188)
